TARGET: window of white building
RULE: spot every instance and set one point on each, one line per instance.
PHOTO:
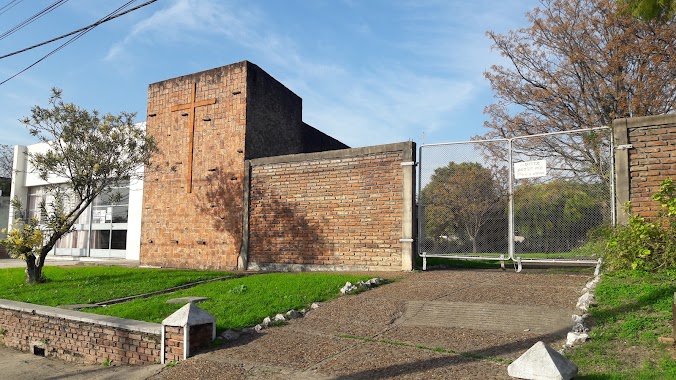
(100, 231)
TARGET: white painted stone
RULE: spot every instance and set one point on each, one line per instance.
(315, 305)
(580, 328)
(542, 362)
(266, 322)
(591, 285)
(280, 317)
(348, 288)
(585, 302)
(574, 338)
(293, 314)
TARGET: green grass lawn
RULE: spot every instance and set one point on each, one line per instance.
(634, 310)
(90, 284)
(241, 302)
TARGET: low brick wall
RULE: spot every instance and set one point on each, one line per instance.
(79, 337)
(173, 343)
(347, 209)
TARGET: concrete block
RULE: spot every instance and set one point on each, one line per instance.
(542, 362)
(184, 300)
(189, 315)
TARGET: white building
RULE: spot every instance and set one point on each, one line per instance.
(107, 229)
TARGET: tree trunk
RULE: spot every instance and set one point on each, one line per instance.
(34, 269)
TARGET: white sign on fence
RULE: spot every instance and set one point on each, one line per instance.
(530, 169)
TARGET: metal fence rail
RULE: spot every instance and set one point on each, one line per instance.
(529, 199)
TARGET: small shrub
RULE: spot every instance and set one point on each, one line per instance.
(107, 363)
(642, 244)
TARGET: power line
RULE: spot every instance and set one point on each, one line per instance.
(36, 16)
(77, 36)
(79, 30)
(14, 2)
(7, 5)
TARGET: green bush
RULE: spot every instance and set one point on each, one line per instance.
(642, 244)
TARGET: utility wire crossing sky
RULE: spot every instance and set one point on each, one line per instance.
(369, 72)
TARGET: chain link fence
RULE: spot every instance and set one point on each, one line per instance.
(533, 198)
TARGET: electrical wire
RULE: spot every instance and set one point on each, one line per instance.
(74, 38)
(34, 17)
(15, 2)
(79, 30)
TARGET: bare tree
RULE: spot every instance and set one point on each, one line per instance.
(580, 64)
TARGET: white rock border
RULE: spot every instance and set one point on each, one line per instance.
(349, 288)
(581, 327)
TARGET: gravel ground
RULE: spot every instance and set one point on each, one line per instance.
(366, 336)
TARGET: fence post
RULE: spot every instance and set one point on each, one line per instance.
(408, 226)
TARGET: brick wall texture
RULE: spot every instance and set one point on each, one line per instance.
(342, 209)
(173, 344)
(77, 341)
(652, 159)
(181, 228)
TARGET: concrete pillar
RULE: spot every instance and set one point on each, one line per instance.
(191, 321)
(408, 227)
(19, 190)
(621, 139)
(243, 259)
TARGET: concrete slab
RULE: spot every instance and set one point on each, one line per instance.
(487, 343)
(485, 316)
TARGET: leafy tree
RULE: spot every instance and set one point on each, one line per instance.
(92, 153)
(580, 64)
(557, 215)
(651, 10)
(461, 200)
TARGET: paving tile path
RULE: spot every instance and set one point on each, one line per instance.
(446, 324)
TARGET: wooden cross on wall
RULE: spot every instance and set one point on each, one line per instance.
(190, 107)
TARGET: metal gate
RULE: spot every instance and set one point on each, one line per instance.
(528, 199)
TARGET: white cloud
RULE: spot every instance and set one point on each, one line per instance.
(428, 77)
(189, 20)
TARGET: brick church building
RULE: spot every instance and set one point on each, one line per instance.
(206, 125)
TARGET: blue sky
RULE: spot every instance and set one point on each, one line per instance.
(369, 72)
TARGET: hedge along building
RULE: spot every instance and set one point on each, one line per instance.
(213, 199)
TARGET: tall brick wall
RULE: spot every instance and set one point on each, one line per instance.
(339, 210)
(274, 116)
(201, 228)
(641, 167)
